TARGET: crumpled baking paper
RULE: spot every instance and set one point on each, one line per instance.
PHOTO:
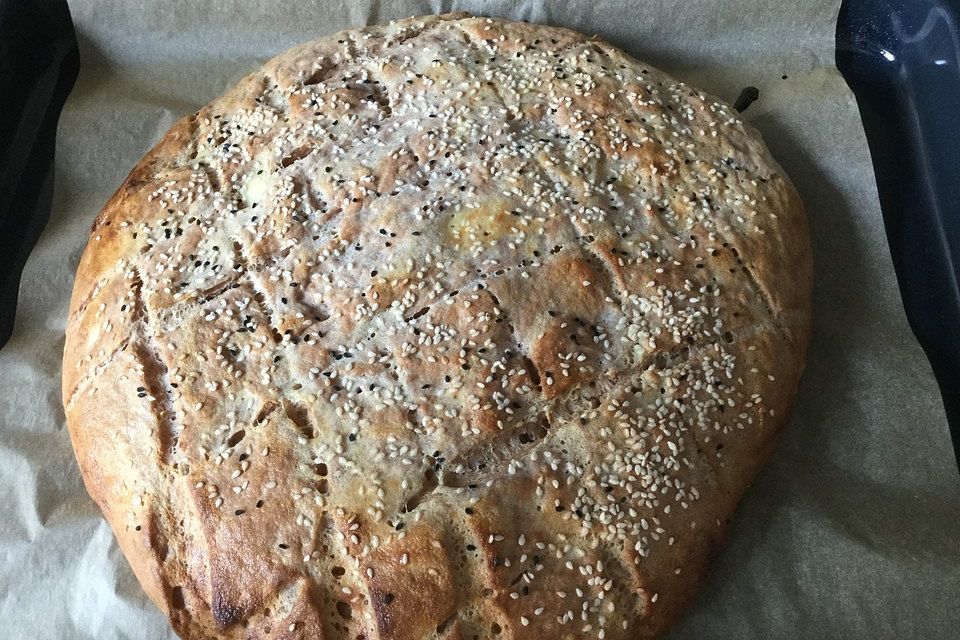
(853, 529)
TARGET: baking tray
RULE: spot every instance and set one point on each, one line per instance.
(901, 58)
(39, 62)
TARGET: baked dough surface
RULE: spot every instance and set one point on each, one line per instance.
(452, 328)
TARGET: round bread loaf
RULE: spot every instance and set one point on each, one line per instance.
(451, 328)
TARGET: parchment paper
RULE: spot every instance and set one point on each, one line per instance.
(850, 532)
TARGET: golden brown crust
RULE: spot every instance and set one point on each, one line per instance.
(452, 328)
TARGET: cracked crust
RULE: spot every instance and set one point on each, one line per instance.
(451, 328)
